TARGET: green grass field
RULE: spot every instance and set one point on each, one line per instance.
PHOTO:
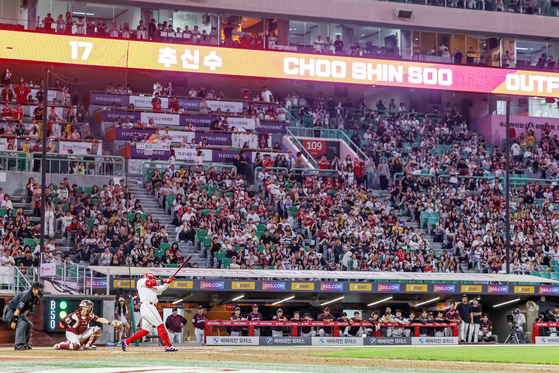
(505, 354)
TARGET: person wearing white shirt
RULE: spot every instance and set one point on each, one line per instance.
(7, 259)
(267, 95)
(318, 44)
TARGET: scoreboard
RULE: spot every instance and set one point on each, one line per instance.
(56, 309)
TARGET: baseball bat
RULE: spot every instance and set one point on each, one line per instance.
(186, 260)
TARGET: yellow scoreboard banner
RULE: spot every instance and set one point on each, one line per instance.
(126, 284)
(302, 286)
(423, 288)
(360, 287)
(188, 58)
(249, 285)
(182, 285)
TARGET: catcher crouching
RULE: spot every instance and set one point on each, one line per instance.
(79, 333)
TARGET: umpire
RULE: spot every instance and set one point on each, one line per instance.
(16, 312)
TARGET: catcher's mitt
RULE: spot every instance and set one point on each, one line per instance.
(116, 323)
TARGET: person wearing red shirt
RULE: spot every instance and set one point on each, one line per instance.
(7, 94)
(324, 164)
(245, 92)
(173, 105)
(22, 92)
(427, 267)
(401, 254)
(358, 166)
(268, 161)
(308, 182)
(271, 112)
(156, 103)
(6, 111)
(17, 112)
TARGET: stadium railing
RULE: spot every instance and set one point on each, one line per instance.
(88, 164)
(335, 325)
(536, 329)
(12, 160)
(327, 134)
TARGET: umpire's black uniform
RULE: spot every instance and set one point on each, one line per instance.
(23, 302)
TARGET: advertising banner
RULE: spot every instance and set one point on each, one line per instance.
(137, 151)
(228, 156)
(337, 341)
(232, 106)
(387, 341)
(107, 99)
(48, 269)
(78, 147)
(434, 340)
(285, 341)
(241, 124)
(232, 341)
(178, 136)
(144, 102)
(112, 115)
(161, 119)
(198, 121)
(189, 104)
(86, 51)
(96, 283)
(272, 127)
(128, 133)
(547, 340)
(214, 138)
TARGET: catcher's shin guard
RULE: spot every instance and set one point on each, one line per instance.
(68, 346)
(97, 331)
(164, 335)
(138, 335)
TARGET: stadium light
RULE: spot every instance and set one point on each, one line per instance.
(427, 301)
(502, 304)
(332, 301)
(239, 297)
(379, 301)
(283, 300)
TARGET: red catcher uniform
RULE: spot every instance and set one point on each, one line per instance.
(78, 332)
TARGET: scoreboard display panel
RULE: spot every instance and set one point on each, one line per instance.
(56, 309)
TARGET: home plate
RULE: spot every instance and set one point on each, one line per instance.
(159, 369)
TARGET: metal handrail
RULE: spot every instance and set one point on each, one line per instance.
(76, 163)
(257, 170)
(8, 155)
(514, 180)
(299, 146)
(161, 165)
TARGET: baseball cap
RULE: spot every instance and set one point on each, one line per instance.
(175, 309)
(327, 309)
(255, 305)
(464, 295)
(237, 308)
(121, 299)
(279, 310)
(200, 307)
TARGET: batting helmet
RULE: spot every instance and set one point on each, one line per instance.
(149, 276)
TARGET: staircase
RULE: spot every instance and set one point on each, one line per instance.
(151, 206)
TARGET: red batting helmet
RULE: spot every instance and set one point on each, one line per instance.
(149, 276)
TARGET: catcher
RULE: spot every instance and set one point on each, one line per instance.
(79, 333)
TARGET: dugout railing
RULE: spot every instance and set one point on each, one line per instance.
(335, 325)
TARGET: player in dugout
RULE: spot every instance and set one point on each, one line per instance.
(326, 331)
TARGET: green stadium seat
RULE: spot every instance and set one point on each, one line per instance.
(225, 262)
(164, 246)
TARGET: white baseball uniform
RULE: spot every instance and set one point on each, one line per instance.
(148, 309)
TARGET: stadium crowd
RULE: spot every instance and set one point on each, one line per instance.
(432, 170)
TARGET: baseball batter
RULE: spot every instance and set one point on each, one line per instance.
(79, 333)
(148, 289)
(199, 322)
